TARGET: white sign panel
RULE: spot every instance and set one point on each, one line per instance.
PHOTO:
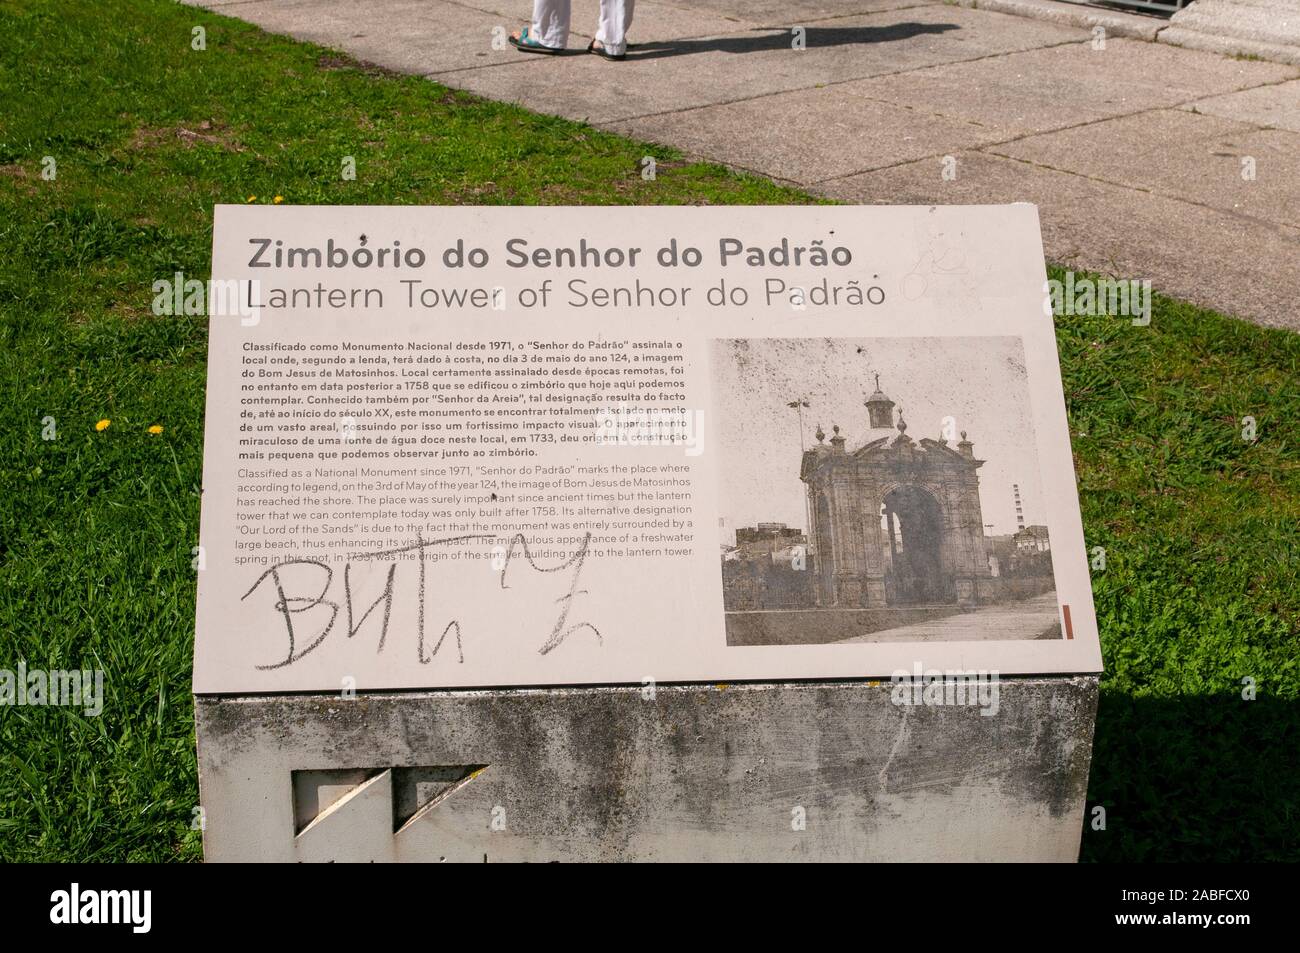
(553, 446)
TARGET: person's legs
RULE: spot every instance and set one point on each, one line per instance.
(550, 22)
(615, 18)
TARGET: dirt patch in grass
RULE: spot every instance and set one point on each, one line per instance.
(208, 132)
(129, 311)
(337, 61)
(19, 176)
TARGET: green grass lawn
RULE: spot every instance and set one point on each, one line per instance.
(1199, 592)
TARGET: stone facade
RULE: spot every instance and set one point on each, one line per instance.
(895, 521)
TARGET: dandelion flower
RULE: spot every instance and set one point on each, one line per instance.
(103, 424)
(278, 199)
(252, 198)
(156, 429)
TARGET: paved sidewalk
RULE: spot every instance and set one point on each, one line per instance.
(1138, 153)
(1036, 618)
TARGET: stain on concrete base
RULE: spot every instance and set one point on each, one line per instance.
(803, 771)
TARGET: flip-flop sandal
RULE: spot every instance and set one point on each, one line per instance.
(601, 51)
(527, 44)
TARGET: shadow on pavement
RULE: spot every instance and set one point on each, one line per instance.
(814, 37)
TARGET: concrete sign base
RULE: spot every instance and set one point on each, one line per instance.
(807, 771)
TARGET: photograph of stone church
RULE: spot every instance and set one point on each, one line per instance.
(855, 504)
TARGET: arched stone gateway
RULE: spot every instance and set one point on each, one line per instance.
(896, 522)
(916, 572)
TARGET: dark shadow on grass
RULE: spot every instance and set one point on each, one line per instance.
(815, 38)
(1195, 779)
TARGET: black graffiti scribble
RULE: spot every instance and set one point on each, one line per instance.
(283, 605)
(386, 596)
(558, 633)
(420, 545)
(288, 606)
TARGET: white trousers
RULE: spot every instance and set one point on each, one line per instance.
(551, 23)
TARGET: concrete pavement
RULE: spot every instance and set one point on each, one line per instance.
(1036, 618)
(1148, 161)
(1269, 29)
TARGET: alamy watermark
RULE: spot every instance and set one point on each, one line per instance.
(622, 425)
(73, 688)
(240, 298)
(951, 687)
(133, 908)
(1108, 297)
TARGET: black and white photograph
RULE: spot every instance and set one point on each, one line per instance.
(880, 490)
